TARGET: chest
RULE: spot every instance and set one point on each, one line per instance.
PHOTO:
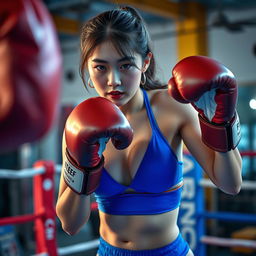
(123, 165)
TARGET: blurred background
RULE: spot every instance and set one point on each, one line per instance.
(221, 29)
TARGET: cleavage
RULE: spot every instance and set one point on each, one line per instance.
(122, 165)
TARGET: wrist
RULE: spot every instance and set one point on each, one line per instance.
(221, 137)
(82, 180)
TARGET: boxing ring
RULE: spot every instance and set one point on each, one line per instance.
(191, 221)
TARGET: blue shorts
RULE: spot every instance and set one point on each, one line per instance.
(179, 247)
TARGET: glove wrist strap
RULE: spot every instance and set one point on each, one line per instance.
(82, 180)
(221, 138)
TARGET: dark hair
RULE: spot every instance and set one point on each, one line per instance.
(126, 30)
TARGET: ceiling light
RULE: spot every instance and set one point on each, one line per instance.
(252, 103)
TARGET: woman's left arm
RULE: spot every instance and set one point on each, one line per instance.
(211, 88)
(224, 169)
(227, 171)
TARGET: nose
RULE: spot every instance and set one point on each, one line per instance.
(114, 78)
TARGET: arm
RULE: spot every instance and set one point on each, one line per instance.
(227, 171)
(72, 209)
(88, 128)
(212, 91)
(224, 169)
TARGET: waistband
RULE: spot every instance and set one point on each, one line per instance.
(179, 247)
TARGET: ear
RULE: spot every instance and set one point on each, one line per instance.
(146, 62)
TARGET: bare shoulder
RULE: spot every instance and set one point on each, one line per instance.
(160, 99)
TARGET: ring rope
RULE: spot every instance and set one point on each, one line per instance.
(58, 168)
(78, 247)
(25, 173)
(248, 153)
(228, 242)
(74, 248)
(20, 219)
(21, 174)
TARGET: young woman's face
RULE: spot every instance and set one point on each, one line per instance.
(114, 77)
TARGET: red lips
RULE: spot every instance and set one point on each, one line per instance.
(116, 94)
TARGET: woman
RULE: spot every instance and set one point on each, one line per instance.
(138, 181)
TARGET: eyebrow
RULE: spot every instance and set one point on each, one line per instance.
(126, 58)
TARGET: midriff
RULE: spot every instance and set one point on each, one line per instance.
(139, 232)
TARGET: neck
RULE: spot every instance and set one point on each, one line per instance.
(134, 105)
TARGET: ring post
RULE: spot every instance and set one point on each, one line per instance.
(44, 201)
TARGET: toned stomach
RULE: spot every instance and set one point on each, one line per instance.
(139, 232)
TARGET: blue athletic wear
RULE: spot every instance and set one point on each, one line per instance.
(179, 247)
(158, 172)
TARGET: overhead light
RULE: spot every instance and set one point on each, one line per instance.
(252, 103)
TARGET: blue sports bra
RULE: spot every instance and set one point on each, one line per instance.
(157, 173)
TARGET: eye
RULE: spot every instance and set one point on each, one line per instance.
(126, 66)
(100, 68)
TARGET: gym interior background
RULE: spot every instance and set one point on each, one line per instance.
(221, 29)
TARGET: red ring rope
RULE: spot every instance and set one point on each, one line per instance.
(248, 153)
(20, 219)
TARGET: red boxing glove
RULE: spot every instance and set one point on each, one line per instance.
(88, 128)
(212, 89)
(30, 72)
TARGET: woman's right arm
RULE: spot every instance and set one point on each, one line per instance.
(84, 141)
(72, 209)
